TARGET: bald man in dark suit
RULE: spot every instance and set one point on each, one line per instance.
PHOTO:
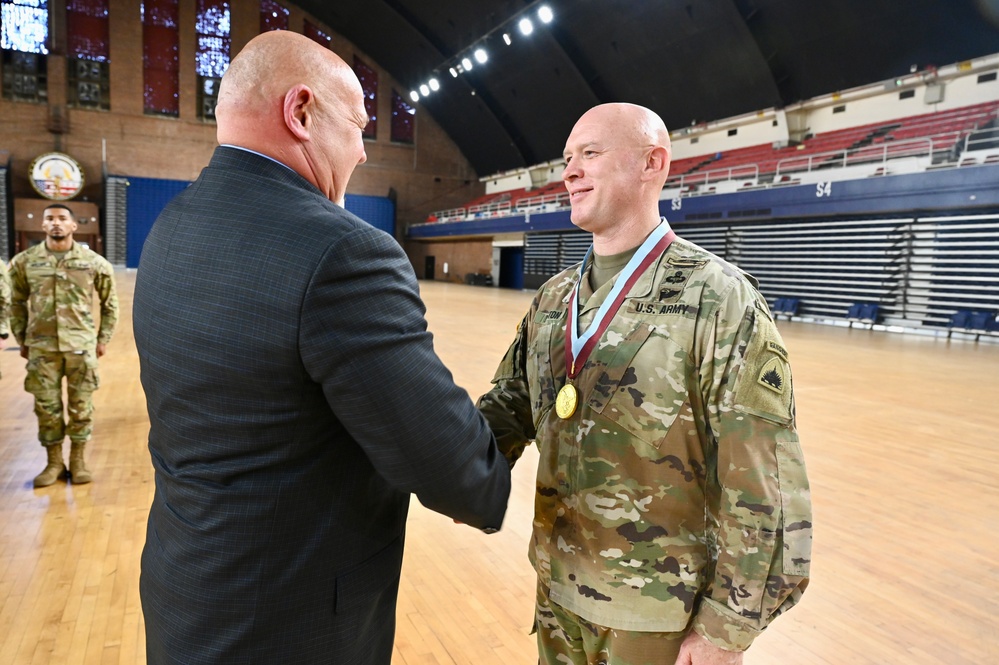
(294, 397)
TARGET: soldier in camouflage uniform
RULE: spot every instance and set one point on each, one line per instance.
(4, 304)
(672, 513)
(53, 286)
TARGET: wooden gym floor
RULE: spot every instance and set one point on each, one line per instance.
(901, 437)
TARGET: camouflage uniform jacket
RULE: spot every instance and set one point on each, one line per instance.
(52, 299)
(677, 490)
(4, 299)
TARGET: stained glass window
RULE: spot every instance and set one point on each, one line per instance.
(212, 53)
(313, 32)
(213, 37)
(273, 16)
(160, 59)
(369, 84)
(403, 119)
(24, 31)
(24, 25)
(87, 29)
(87, 78)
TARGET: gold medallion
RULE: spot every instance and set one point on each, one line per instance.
(565, 403)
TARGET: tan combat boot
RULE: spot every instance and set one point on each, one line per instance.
(78, 472)
(54, 469)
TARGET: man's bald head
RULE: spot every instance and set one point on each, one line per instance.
(617, 159)
(289, 98)
(636, 124)
(267, 67)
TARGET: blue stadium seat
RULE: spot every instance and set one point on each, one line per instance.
(981, 320)
(973, 322)
(870, 312)
(960, 319)
(863, 312)
(786, 306)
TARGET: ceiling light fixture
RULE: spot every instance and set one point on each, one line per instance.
(456, 66)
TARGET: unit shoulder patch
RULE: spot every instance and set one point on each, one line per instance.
(764, 384)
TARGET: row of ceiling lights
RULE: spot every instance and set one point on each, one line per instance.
(479, 54)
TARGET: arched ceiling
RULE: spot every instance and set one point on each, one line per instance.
(686, 59)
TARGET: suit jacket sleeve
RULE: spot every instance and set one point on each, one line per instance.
(364, 338)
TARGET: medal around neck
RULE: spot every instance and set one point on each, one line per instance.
(565, 402)
(579, 346)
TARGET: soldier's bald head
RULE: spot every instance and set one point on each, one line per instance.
(637, 125)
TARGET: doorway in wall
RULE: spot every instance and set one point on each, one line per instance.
(511, 274)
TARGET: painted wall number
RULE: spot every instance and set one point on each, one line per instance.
(676, 204)
(823, 189)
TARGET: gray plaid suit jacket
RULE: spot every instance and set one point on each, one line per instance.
(295, 402)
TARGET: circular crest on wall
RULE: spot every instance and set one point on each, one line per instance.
(56, 176)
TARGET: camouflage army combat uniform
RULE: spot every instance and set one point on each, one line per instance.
(51, 315)
(4, 302)
(675, 496)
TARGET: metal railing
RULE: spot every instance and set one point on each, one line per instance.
(743, 172)
(870, 154)
(545, 201)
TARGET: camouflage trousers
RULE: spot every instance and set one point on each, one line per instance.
(564, 638)
(44, 380)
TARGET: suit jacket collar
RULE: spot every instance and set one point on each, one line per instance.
(236, 159)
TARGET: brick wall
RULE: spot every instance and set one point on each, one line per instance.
(462, 257)
(430, 175)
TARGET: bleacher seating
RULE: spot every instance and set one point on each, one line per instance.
(936, 136)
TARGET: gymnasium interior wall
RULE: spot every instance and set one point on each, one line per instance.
(430, 174)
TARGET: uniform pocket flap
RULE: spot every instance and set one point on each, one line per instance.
(643, 388)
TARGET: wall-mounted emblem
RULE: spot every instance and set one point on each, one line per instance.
(56, 176)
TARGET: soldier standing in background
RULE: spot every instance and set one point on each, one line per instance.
(4, 304)
(53, 286)
(672, 516)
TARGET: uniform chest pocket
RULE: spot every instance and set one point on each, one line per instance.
(642, 388)
(540, 371)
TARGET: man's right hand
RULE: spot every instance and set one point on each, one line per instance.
(24, 352)
(696, 650)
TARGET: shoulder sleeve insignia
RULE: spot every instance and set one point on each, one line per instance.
(764, 386)
(772, 375)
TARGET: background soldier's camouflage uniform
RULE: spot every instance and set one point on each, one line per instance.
(52, 316)
(4, 300)
(677, 490)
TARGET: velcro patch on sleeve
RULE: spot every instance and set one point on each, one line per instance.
(764, 386)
